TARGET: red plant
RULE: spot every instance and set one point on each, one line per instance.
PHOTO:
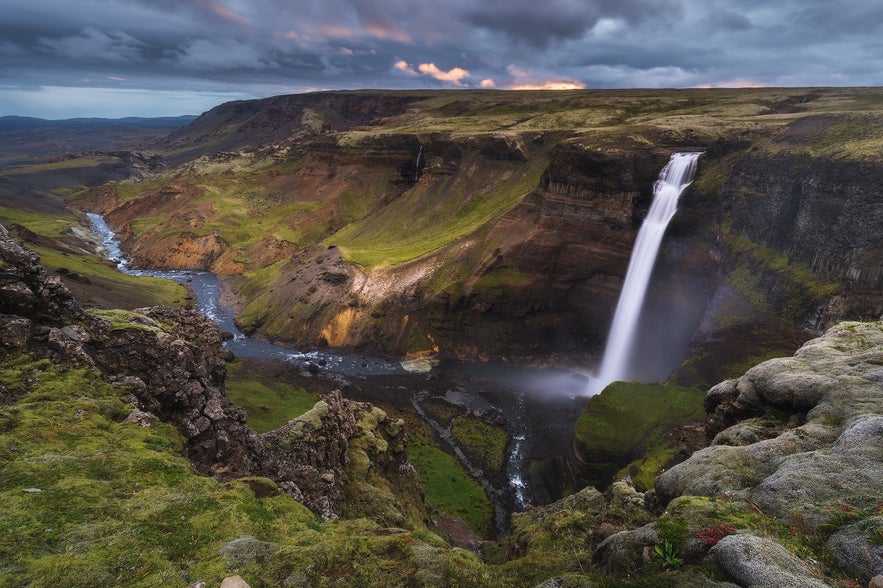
(711, 535)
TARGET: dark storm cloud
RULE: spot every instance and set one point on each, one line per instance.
(728, 20)
(162, 54)
(540, 24)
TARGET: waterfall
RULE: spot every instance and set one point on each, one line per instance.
(673, 180)
(417, 165)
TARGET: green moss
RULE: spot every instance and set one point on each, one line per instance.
(629, 420)
(503, 277)
(118, 505)
(795, 289)
(485, 442)
(268, 403)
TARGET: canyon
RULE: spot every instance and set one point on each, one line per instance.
(488, 227)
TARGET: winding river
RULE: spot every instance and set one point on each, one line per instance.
(207, 289)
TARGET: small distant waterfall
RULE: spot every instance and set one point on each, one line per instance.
(673, 180)
(417, 165)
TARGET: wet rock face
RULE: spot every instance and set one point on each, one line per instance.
(824, 213)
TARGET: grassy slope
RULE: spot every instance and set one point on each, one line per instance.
(269, 404)
(91, 501)
(99, 281)
(429, 217)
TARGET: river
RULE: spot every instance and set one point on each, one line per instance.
(537, 406)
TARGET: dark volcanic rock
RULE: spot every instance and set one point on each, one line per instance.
(25, 285)
(177, 355)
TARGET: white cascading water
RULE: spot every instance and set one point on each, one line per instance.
(673, 180)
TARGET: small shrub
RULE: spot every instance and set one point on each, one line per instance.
(711, 535)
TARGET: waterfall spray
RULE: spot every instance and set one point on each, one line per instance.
(673, 180)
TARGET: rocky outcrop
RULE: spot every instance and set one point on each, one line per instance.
(754, 561)
(833, 390)
(169, 361)
(27, 289)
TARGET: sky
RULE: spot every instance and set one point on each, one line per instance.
(115, 58)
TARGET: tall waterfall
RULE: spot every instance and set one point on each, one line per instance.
(673, 180)
(417, 165)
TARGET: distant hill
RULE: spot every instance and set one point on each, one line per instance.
(26, 139)
(24, 123)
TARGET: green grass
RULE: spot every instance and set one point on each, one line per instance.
(75, 163)
(269, 404)
(138, 290)
(42, 224)
(450, 489)
(117, 502)
(119, 506)
(431, 216)
(105, 279)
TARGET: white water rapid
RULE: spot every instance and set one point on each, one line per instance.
(673, 180)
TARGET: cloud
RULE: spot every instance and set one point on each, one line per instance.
(728, 20)
(550, 85)
(222, 12)
(222, 54)
(92, 44)
(257, 47)
(530, 80)
(9, 49)
(541, 24)
(454, 75)
(402, 65)
(735, 83)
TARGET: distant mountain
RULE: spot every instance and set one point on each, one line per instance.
(24, 123)
(29, 140)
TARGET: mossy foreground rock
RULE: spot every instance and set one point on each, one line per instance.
(817, 470)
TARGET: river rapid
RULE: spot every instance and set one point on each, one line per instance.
(538, 407)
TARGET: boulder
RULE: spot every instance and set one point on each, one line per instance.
(836, 381)
(856, 548)
(755, 562)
